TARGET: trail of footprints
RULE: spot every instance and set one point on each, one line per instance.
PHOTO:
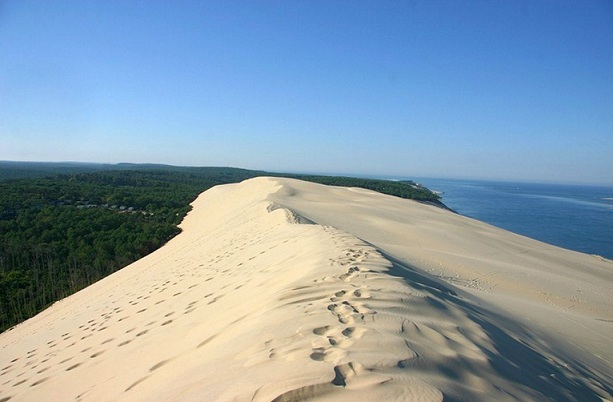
(36, 368)
(344, 295)
(349, 296)
(347, 305)
(347, 293)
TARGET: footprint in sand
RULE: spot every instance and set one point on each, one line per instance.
(345, 312)
(351, 273)
(74, 366)
(321, 330)
(338, 295)
(97, 354)
(361, 294)
(318, 354)
(327, 354)
(35, 383)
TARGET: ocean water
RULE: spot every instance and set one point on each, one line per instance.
(574, 217)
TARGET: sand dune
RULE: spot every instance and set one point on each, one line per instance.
(281, 290)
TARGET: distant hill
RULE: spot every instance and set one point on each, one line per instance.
(19, 170)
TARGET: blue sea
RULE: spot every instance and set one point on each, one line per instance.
(575, 217)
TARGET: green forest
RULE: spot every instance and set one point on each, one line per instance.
(62, 232)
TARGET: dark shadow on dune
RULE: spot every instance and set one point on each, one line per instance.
(554, 377)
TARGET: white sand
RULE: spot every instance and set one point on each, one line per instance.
(281, 290)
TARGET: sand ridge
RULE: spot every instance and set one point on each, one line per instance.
(280, 290)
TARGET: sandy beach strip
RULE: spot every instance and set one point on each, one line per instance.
(282, 290)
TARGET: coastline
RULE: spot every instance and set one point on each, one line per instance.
(568, 216)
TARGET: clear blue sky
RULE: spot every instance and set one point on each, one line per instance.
(503, 89)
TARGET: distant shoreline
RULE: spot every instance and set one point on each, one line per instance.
(570, 216)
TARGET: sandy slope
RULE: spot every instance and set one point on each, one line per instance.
(280, 290)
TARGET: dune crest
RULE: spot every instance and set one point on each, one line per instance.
(280, 290)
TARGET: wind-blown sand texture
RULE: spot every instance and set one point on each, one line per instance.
(281, 290)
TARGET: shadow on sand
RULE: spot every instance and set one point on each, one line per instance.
(519, 356)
